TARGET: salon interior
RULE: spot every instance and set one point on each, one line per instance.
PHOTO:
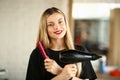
(94, 24)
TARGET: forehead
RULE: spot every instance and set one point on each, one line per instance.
(55, 16)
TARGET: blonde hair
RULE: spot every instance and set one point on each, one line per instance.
(43, 36)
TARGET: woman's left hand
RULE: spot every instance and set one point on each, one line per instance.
(52, 67)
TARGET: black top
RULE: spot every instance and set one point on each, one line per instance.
(37, 71)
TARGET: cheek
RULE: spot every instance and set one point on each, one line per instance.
(49, 31)
(65, 29)
(64, 26)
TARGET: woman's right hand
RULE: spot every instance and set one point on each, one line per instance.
(52, 67)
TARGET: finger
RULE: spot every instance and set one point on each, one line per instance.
(73, 70)
(49, 69)
(47, 60)
(47, 66)
(72, 65)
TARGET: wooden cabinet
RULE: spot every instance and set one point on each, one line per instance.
(114, 50)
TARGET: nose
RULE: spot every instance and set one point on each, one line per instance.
(56, 27)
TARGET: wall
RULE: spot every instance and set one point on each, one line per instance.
(19, 20)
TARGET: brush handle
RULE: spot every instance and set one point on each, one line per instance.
(42, 50)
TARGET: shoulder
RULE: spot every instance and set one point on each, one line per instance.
(35, 53)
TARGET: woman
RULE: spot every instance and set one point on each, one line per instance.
(54, 33)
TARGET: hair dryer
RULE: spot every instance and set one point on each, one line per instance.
(74, 56)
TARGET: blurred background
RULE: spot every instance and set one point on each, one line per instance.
(94, 24)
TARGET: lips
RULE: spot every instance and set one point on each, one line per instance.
(58, 32)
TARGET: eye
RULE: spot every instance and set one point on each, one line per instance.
(50, 24)
(60, 22)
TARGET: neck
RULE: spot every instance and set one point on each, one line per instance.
(58, 44)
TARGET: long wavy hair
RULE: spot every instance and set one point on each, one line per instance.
(43, 36)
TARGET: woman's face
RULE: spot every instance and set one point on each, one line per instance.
(56, 26)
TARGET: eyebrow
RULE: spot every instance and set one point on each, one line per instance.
(50, 22)
(60, 18)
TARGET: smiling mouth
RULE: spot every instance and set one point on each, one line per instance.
(58, 32)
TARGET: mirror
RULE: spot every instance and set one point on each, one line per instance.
(91, 22)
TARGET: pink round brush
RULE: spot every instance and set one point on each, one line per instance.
(42, 50)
